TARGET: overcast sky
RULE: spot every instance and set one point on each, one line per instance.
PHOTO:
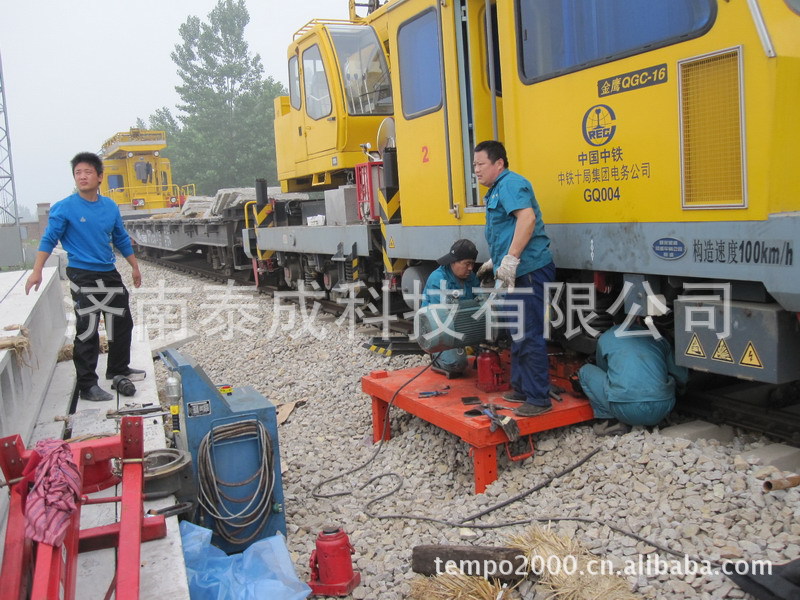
(77, 72)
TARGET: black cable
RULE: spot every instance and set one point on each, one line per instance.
(463, 522)
(535, 488)
(316, 494)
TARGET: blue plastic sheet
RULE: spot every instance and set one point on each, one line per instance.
(264, 570)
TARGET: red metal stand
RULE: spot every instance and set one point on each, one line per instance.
(447, 412)
(41, 571)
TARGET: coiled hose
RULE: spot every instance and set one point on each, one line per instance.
(230, 524)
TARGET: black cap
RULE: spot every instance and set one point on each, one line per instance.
(460, 250)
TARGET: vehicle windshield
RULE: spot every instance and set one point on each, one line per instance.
(364, 72)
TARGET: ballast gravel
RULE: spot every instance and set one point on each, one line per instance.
(700, 499)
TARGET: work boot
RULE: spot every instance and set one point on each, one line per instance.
(132, 374)
(96, 394)
(610, 427)
(514, 396)
(531, 410)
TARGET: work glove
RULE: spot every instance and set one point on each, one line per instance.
(507, 271)
(485, 268)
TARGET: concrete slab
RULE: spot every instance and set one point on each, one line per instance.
(172, 341)
(783, 457)
(24, 377)
(52, 420)
(58, 259)
(695, 430)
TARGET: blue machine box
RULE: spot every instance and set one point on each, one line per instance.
(233, 438)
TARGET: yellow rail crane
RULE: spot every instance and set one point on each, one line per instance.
(660, 138)
(137, 177)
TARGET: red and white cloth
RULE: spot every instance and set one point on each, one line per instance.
(53, 498)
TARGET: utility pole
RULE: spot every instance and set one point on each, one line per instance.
(11, 252)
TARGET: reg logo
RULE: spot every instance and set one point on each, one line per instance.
(598, 125)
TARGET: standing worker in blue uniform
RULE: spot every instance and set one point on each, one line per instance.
(452, 281)
(520, 257)
(86, 224)
(633, 381)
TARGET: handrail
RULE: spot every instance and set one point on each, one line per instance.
(255, 214)
(316, 22)
(152, 189)
(254, 205)
(136, 135)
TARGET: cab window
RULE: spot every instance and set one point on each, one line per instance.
(115, 182)
(294, 83)
(367, 85)
(561, 36)
(318, 96)
(420, 65)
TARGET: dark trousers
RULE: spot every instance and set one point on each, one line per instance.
(529, 364)
(96, 293)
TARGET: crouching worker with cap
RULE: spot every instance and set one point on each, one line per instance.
(86, 224)
(451, 282)
(634, 380)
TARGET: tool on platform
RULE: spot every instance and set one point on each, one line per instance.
(123, 385)
(432, 393)
(506, 423)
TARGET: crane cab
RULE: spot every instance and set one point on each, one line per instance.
(339, 93)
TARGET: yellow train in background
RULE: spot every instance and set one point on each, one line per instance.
(136, 176)
(660, 137)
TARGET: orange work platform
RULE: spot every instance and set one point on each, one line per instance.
(447, 412)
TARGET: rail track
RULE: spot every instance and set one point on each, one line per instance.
(773, 410)
(197, 266)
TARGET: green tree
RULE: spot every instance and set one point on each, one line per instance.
(222, 135)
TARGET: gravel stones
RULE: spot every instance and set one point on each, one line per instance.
(698, 498)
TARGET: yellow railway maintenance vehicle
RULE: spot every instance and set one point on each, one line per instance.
(137, 177)
(660, 137)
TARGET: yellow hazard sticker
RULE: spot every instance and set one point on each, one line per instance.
(694, 348)
(750, 357)
(391, 242)
(722, 352)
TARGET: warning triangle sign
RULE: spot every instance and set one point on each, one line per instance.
(694, 348)
(750, 357)
(722, 353)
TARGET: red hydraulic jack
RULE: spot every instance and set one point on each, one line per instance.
(331, 564)
(40, 571)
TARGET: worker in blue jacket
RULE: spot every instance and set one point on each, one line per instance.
(451, 282)
(633, 381)
(86, 224)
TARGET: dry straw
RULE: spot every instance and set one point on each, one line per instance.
(457, 587)
(574, 579)
(67, 349)
(19, 343)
